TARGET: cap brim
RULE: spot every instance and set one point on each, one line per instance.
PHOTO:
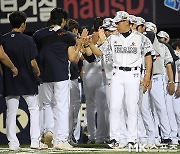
(112, 28)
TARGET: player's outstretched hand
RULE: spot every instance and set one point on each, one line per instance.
(95, 37)
(14, 71)
(102, 35)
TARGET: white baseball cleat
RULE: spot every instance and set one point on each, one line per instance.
(41, 146)
(63, 145)
(13, 148)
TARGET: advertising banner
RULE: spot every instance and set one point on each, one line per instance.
(38, 11)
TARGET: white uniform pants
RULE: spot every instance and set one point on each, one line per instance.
(12, 108)
(146, 112)
(158, 96)
(171, 103)
(124, 85)
(95, 103)
(57, 95)
(75, 104)
(142, 137)
(123, 125)
(46, 114)
(108, 90)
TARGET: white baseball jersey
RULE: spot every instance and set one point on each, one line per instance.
(162, 59)
(177, 65)
(127, 52)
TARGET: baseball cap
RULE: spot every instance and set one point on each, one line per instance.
(107, 22)
(140, 21)
(132, 19)
(151, 27)
(112, 27)
(121, 16)
(163, 34)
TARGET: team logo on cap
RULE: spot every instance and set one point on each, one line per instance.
(124, 17)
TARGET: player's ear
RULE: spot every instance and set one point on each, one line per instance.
(127, 21)
(23, 26)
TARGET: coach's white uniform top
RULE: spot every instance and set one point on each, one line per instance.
(126, 52)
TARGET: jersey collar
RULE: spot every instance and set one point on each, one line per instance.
(55, 28)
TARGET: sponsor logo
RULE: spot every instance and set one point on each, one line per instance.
(173, 4)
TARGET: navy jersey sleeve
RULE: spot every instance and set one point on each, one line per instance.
(1, 39)
(71, 41)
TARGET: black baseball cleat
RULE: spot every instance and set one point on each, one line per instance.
(166, 141)
(73, 141)
(113, 144)
(93, 141)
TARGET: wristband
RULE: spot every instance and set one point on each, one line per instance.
(86, 46)
(171, 82)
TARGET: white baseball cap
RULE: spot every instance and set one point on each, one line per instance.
(151, 27)
(112, 27)
(107, 22)
(121, 16)
(140, 21)
(132, 19)
(164, 35)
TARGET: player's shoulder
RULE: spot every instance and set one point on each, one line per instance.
(113, 36)
(16, 34)
(71, 34)
(25, 37)
(137, 33)
(162, 45)
(41, 31)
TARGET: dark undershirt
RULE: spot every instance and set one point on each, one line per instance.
(126, 34)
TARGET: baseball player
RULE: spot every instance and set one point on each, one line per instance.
(144, 103)
(137, 22)
(176, 98)
(163, 58)
(95, 95)
(133, 21)
(56, 47)
(75, 102)
(170, 99)
(128, 48)
(109, 28)
(164, 36)
(24, 84)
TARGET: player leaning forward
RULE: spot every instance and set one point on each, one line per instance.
(128, 49)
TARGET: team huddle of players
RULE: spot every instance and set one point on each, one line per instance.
(130, 79)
